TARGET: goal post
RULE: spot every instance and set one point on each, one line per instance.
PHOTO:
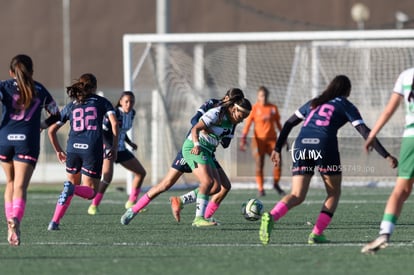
(173, 74)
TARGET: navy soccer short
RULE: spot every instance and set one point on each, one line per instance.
(28, 154)
(180, 164)
(88, 164)
(323, 156)
(124, 155)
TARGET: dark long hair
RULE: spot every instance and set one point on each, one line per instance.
(125, 93)
(82, 88)
(22, 67)
(234, 94)
(339, 86)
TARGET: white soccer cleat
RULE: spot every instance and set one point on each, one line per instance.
(377, 244)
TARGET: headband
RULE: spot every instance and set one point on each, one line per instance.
(244, 110)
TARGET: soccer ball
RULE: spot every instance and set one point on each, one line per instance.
(252, 209)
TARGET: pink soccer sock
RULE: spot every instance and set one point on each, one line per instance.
(60, 210)
(141, 203)
(322, 223)
(279, 210)
(19, 206)
(97, 200)
(84, 192)
(134, 194)
(8, 210)
(211, 209)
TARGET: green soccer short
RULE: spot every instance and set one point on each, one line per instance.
(205, 157)
(406, 161)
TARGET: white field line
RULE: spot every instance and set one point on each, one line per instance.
(151, 244)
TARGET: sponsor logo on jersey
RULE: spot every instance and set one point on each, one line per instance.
(16, 137)
(310, 141)
(82, 146)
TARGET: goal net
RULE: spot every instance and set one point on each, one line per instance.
(173, 74)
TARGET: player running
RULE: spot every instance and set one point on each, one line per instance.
(22, 102)
(322, 117)
(84, 150)
(125, 115)
(403, 90)
(200, 145)
(179, 167)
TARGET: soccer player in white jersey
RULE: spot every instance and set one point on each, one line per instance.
(179, 167)
(403, 91)
(200, 145)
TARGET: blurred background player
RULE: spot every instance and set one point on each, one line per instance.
(266, 118)
(22, 102)
(125, 115)
(322, 116)
(84, 148)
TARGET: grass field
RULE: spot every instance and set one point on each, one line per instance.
(153, 243)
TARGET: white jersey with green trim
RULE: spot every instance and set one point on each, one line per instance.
(403, 86)
(218, 127)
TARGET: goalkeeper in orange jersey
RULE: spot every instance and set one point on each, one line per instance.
(266, 118)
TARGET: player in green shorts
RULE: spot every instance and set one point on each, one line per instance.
(200, 144)
(403, 91)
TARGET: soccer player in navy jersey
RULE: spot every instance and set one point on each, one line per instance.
(317, 145)
(179, 167)
(22, 102)
(125, 115)
(84, 148)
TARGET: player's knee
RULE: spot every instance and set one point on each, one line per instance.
(215, 189)
(296, 199)
(144, 173)
(226, 187)
(107, 178)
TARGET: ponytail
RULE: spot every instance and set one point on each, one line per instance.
(22, 67)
